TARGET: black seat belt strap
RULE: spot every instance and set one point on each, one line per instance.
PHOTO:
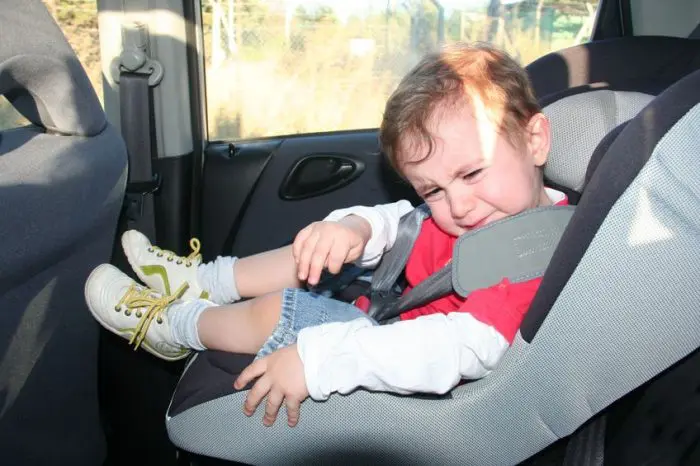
(434, 287)
(137, 75)
(383, 296)
(395, 259)
(138, 129)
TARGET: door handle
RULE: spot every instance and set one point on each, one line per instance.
(317, 174)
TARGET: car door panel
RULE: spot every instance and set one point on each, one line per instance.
(229, 179)
(246, 202)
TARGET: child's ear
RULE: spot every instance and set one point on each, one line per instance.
(539, 138)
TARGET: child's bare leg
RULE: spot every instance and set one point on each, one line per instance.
(241, 327)
(222, 281)
(170, 328)
(266, 272)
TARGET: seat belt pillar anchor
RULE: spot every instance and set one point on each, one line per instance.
(135, 56)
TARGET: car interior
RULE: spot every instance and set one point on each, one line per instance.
(605, 367)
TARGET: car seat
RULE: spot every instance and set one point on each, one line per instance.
(62, 181)
(601, 325)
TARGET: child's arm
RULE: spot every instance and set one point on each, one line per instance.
(357, 234)
(428, 355)
(384, 222)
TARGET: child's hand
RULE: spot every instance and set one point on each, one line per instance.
(281, 377)
(329, 245)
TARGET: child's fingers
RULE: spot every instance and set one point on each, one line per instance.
(272, 407)
(293, 409)
(299, 241)
(337, 256)
(318, 259)
(253, 371)
(306, 254)
(255, 395)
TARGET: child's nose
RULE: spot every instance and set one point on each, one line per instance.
(461, 203)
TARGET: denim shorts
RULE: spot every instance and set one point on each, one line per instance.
(301, 309)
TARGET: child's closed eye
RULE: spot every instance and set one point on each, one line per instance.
(473, 175)
(431, 194)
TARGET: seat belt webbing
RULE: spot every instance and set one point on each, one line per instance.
(384, 298)
(138, 129)
(395, 259)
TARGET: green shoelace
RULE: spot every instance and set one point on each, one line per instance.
(147, 308)
(170, 256)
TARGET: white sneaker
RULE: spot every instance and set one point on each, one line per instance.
(163, 270)
(132, 311)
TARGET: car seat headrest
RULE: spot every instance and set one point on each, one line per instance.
(601, 150)
(41, 76)
(579, 122)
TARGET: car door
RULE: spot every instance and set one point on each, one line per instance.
(258, 195)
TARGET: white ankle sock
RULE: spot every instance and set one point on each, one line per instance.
(218, 280)
(183, 317)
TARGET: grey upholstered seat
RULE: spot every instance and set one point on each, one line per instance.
(62, 181)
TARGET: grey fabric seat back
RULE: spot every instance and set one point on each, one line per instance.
(593, 333)
(62, 181)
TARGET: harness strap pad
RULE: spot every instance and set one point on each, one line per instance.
(518, 248)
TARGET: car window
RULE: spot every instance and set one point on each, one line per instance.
(9, 117)
(294, 66)
(78, 20)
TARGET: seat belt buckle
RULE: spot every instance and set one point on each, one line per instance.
(136, 192)
(382, 304)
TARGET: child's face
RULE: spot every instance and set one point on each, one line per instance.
(474, 175)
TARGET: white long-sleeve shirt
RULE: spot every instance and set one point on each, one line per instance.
(430, 354)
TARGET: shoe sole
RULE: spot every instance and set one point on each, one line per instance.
(123, 334)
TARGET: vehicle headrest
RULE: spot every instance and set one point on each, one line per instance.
(40, 74)
(646, 64)
(579, 122)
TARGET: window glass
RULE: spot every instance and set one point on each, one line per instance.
(9, 117)
(78, 20)
(276, 67)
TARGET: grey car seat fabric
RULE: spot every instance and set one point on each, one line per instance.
(616, 307)
(62, 181)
